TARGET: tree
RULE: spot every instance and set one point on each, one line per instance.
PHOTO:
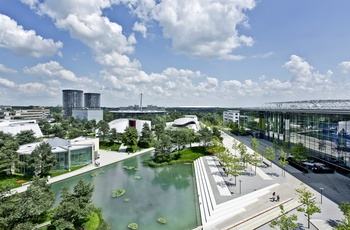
(45, 127)
(299, 152)
(255, 160)
(8, 208)
(9, 157)
(179, 138)
(146, 138)
(20, 210)
(57, 117)
(269, 153)
(130, 136)
(159, 126)
(255, 144)
(205, 135)
(113, 135)
(162, 149)
(345, 223)
(217, 133)
(25, 137)
(306, 198)
(243, 152)
(284, 222)
(42, 159)
(235, 145)
(231, 164)
(283, 161)
(38, 198)
(192, 136)
(58, 131)
(103, 129)
(75, 207)
(275, 145)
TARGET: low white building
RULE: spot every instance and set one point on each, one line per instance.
(121, 124)
(16, 126)
(189, 121)
(231, 115)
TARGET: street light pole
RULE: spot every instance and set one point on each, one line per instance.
(240, 186)
(321, 194)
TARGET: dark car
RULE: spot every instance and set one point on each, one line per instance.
(322, 169)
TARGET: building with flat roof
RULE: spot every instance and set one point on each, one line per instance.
(136, 110)
(28, 114)
(92, 100)
(69, 153)
(231, 115)
(322, 126)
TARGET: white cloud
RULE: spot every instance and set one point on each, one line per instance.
(140, 27)
(4, 69)
(25, 42)
(7, 83)
(204, 28)
(345, 66)
(51, 69)
(305, 77)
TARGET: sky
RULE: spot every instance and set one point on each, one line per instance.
(226, 53)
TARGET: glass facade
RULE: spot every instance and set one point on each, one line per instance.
(326, 134)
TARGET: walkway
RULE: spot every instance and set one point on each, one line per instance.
(106, 158)
(249, 205)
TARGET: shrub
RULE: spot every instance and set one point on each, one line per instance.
(161, 220)
(133, 226)
(118, 192)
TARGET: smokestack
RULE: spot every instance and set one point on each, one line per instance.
(141, 102)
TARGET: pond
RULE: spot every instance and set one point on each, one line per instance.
(168, 192)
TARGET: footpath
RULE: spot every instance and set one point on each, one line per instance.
(106, 158)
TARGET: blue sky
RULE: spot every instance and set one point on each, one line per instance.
(233, 53)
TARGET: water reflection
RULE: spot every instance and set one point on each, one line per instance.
(167, 192)
(174, 175)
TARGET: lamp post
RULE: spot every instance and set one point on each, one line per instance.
(240, 186)
(321, 194)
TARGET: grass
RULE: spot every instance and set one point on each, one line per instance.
(57, 173)
(193, 153)
(107, 145)
(16, 180)
(93, 222)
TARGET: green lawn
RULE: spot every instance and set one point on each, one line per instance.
(16, 180)
(107, 145)
(194, 153)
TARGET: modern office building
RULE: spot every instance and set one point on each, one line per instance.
(27, 114)
(231, 115)
(92, 100)
(72, 99)
(136, 111)
(69, 153)
(88, 114)
(323, 126)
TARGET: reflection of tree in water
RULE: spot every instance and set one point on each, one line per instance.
(176, 175)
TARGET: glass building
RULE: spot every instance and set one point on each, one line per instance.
(322, 126)
(71, 99)
(69, 153)
(92, 100)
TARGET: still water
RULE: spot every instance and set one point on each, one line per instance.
(167, 192)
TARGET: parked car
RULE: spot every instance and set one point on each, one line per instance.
(322, 169)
